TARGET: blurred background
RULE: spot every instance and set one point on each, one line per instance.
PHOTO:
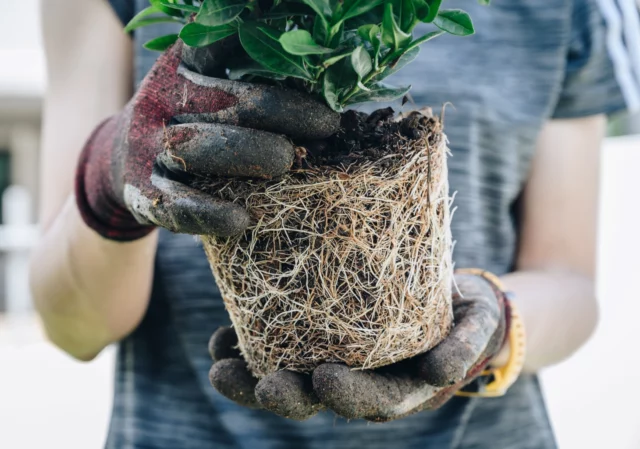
(48, 400)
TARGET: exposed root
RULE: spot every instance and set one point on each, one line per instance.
(348, 264)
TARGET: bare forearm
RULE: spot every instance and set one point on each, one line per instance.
(555, 268)
(560, 313)
(89, 291)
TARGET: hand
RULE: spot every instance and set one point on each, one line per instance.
(180, 124)
(424, 382)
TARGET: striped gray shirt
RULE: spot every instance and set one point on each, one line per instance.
(530, 61)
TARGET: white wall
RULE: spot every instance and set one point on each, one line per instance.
(46, 399)
(23, 67)
(22, 84)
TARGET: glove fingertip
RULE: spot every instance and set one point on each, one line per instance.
(181, 208)
(194, 215)
(288, 394)
(335, 386)
(223, 344)
(439, 370)
(232, 379)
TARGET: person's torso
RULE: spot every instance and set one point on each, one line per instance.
(502, 84)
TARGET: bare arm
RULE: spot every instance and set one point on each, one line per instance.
(554, 281)
(89, 291)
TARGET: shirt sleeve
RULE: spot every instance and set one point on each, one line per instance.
(124, 9)
(602, 72)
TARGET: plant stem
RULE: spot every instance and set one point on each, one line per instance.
(383, 65)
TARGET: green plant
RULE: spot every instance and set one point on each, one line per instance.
(340, 49)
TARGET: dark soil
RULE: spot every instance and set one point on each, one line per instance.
(366, 137)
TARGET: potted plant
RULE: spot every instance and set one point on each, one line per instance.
(348, 257)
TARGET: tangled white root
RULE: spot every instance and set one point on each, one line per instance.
(347, 265)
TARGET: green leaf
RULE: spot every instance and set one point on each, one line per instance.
(361, 62)
(197, 35)
(243, 67)
(392, 35)
(422, 10)
(322, 8)
(287, 10)
(369, 33)
(454, 21)
(269, 53)
(167, 10)
(219, 12)
(372, 16)
(363, 87)
(320, 29)
(161, 43)
(337, 35)
(338, 81)
(434, 8)
(422, 39)
(484, 2)
(406, 14)
(149, 21)
(271, 32)
(379, 92)
(330, 92)
(300, 42)
(143, 18)
(353, 8)
(402, 61)
(179, 7)
(332, 60)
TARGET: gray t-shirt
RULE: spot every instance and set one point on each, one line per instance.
(530, 61)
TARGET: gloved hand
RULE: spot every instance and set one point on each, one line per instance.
(180, 124)
(424, 382)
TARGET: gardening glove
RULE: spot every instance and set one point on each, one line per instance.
(135, 169)
(424, 382)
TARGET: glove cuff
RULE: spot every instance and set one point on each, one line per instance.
(94, 193)
(511, 329)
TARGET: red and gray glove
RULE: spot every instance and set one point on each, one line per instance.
(134, 170)
(424, 382)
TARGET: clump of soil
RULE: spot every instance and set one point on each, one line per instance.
(369, 137)
(348, 256)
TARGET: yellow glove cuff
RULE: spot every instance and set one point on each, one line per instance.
(502, 377)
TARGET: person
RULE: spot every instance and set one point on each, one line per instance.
(530, 91)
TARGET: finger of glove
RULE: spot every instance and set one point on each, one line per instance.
(232, 379)
(373, 395)
(223, 344)
(174, 206)
(268, 108)
(477, 317)
(288, 394)
(212, 59)
(214, 150)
